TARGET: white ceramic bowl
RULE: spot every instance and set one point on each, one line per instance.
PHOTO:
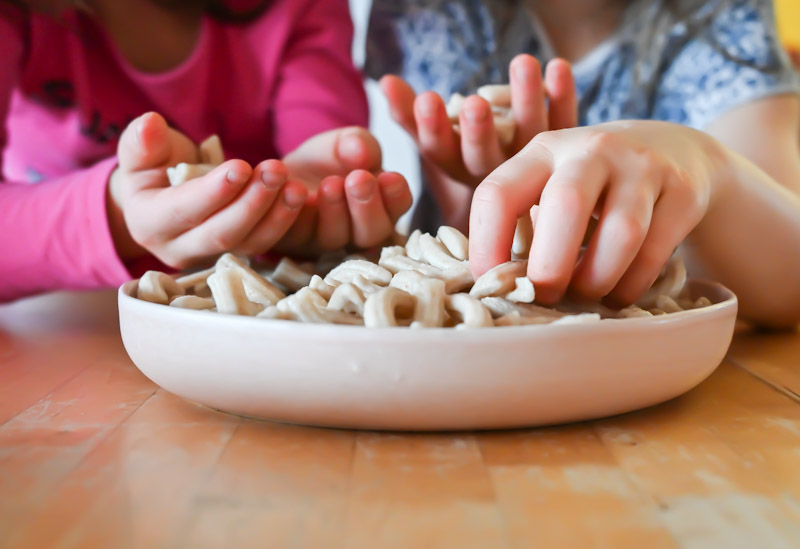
(429, 379)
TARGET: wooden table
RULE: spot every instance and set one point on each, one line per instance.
(92, 454)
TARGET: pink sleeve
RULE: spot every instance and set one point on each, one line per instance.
(319, 88)
(53, 235)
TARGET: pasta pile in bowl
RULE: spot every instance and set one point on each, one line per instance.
(424, 284)
(289, 343)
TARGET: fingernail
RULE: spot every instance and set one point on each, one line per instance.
(427, 108)
(293, 197)
(140, 127)
(235, 176)
(332, 193)
(475, 115)
(361, 188)
(521, 72)
(272, 180)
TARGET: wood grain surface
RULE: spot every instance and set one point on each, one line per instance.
(93, 454)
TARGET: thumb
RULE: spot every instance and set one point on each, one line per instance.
(145, 143)
(357, 149)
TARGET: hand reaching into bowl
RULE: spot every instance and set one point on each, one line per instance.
(537, 104)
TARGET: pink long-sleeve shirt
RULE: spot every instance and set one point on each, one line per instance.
(66, 94)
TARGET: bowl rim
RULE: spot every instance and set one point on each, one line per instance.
(125, 297)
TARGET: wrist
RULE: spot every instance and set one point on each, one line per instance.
(719, 165)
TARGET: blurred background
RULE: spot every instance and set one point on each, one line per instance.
(789, 22)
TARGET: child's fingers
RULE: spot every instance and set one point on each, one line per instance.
(273, 174)
(396, 195)
(333, 229)
(227, 228)
(505, 195)
(436, 138)
(401, 102)
(669, 226)
(480, 146)
(627, 211)
(560, 85)
(527, 99)
(278, 220)
(566, 204)
(302, 231)
(179, 209)
(370, 222)
(148, 143)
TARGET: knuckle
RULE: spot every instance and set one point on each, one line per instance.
(650, 164)
(542, 142)
(691, 198)
(221, 240)
(601, 143)
(541, 148)
(677, 180)
(571, 197)
(630, 230)
(681, 185)
(653, 158)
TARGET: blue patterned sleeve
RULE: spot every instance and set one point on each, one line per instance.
(736, 60)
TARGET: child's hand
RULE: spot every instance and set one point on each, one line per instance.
(536, 106)
(650, 184)
(349, 203)
(234, 208)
